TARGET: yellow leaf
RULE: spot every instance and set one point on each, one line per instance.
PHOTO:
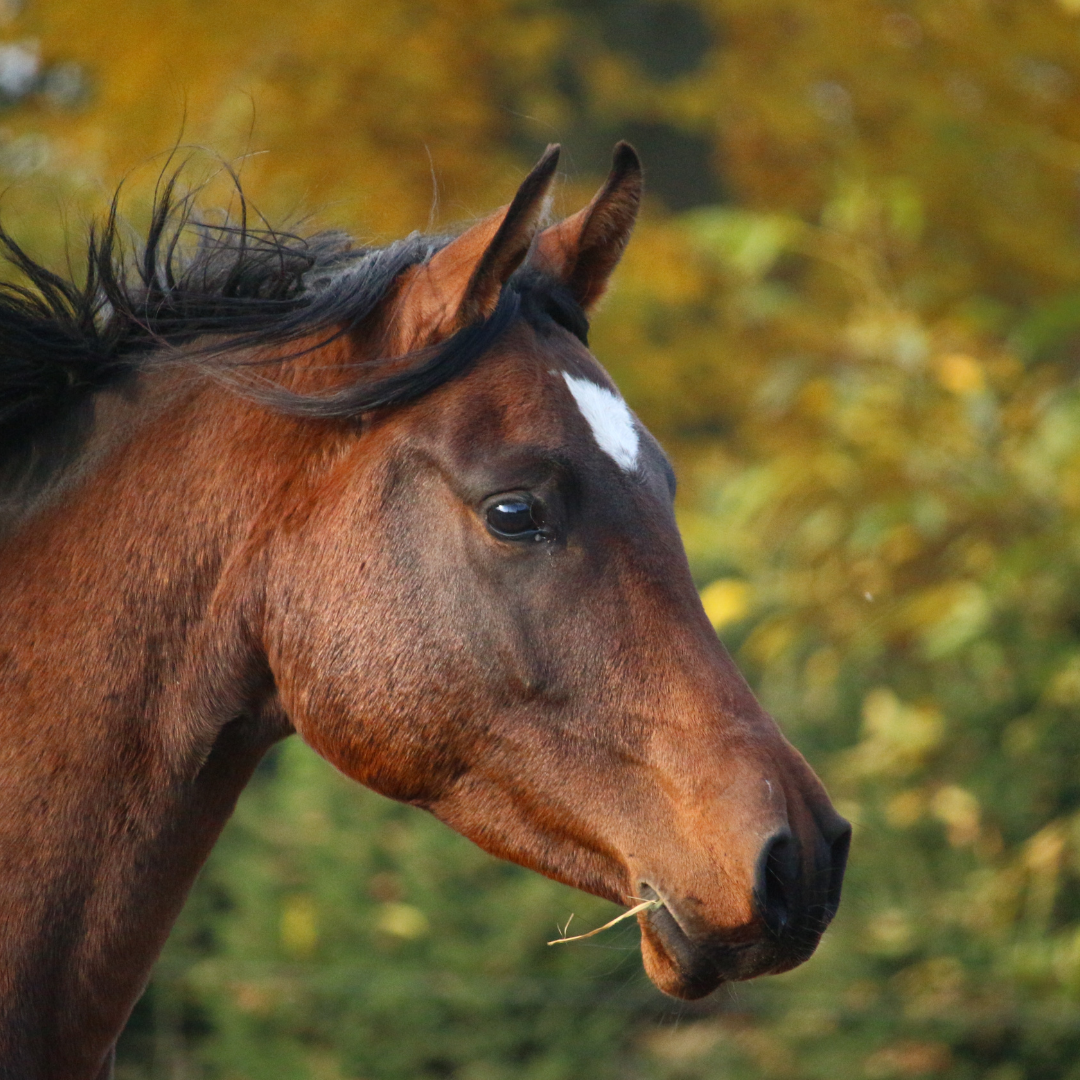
(726, 601)
(299, 926)
(402, 921)
(960, 374)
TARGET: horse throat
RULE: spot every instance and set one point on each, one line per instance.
(133, 709)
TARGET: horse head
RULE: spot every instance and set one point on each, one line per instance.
(480, 605)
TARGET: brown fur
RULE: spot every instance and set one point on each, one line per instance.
(221, 575)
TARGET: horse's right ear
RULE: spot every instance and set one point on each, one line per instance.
(460, 284)
(583, 250)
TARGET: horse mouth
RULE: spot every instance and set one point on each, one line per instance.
(689, 967)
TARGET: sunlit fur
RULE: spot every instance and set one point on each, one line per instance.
(260, 524)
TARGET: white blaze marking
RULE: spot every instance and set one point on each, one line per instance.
(611, 422)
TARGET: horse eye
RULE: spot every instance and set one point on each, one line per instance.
(515, 517)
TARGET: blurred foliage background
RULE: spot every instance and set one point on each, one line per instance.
(852, 315)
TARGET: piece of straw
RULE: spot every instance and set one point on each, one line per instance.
(643, 905)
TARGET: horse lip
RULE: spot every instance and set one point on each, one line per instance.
(647, 892)
(680, 947)
(700, 968)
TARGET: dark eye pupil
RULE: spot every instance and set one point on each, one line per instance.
(512, 516)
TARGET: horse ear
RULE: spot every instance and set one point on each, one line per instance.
(460, 284)
(583, 250)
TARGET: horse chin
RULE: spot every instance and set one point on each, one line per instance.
(691, 969)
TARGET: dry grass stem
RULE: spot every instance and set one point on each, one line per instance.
(643, 905)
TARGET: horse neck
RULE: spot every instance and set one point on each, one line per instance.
(133, 707)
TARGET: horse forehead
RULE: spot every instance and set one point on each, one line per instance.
(554, 396)
(609, 419)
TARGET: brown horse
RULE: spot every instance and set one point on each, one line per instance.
(384, 498)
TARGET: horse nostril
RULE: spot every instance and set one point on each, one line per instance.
(838, 853)
(777, 874)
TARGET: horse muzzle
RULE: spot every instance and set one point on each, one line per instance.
(795, 894)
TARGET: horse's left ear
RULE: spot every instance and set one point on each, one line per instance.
(461, 283)
(583, 250)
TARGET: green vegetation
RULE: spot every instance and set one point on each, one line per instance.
(852, 315)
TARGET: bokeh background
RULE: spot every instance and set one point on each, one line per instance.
(852, 315)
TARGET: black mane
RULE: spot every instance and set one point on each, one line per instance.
(200, 293)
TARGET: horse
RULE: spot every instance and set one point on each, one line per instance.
(254, 484)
